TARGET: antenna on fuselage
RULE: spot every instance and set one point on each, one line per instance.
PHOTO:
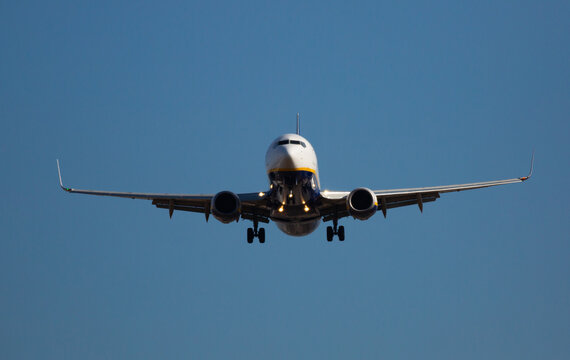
(298, 125)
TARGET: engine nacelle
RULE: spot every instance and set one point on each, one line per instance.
(226, 207)
(361, 203)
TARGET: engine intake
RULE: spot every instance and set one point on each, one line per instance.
(226, 207)
(362, 203)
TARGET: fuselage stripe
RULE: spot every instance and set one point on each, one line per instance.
(292, 169)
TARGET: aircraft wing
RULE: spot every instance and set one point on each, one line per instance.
(334, 202)
(252, 204)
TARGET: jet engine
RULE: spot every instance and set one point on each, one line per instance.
(361, 203)
(226, 207)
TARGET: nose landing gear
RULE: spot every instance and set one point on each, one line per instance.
(335, 230)
(255, 233)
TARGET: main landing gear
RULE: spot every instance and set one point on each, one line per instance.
(335, 230)
(255, 233)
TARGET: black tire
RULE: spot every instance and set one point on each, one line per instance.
(249, 235)
(341, 233)
(261, 235)
(330, 233)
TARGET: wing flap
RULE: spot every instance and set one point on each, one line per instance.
(399, 201)
(174, 204)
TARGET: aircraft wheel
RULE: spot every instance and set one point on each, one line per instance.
(261, 235)
(341, 233)
(249, 235)
(330, 233)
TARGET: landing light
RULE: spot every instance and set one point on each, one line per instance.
(290, 195)
(281, 209)
(261, 194)
(306, 208)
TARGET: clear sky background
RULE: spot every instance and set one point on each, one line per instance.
(186, 97)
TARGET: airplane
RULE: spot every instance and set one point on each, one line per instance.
(294, 200)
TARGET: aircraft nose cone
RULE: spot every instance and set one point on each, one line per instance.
(285, 157)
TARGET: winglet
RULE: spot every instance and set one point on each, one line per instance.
(60, 182)
(531, 168)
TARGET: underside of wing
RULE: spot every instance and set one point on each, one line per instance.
(335, 204)
(248, 205)
(252, 206)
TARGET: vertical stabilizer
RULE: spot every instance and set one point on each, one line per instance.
(298, 125)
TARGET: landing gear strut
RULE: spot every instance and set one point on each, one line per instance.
(255, 233)
(335, 230)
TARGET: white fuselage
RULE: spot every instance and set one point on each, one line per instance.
(291, 165)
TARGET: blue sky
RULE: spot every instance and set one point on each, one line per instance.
(186, 97)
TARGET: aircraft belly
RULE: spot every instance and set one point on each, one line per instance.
(297, 228)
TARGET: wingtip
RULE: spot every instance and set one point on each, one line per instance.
(59, 174)
(524, 178)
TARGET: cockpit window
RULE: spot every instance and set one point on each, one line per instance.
(293, 142)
